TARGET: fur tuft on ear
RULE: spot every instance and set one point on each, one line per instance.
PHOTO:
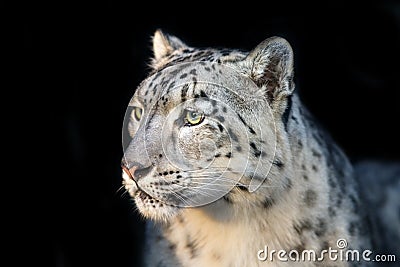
(163, 46)
(270, 66)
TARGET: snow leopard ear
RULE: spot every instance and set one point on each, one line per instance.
(270, 66)
(163, 46)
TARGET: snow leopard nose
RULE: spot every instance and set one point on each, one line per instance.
(137, 171)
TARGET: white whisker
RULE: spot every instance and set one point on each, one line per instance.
(119, 189)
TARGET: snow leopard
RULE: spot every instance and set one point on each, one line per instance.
(227, 166)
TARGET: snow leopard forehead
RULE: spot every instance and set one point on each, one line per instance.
(183, 81)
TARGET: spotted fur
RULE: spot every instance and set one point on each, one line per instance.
(308, 197)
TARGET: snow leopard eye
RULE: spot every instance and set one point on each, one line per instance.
(193, 118)
(137, 113)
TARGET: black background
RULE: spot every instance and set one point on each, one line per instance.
(82, 63)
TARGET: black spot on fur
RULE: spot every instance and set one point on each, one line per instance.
(232, 135)
(242, 120)
(221, 128)
(268, 202)
(321, 227)
(224, 109)
(340, 178)
(310, 198)
(171, 85)
(219, 144)
(156, 76)
(227, 199)
(300, 248)
(215, 110)
(172, 247)
(331, 211)
(285, 115)
(253, 145)
(339, 201)
(220, 118)
(314, 168)
(183, 76)
(325, 245)
(300, 144)
(332, 182)
(278, 163)
(203, 94)
(184, 91)
(228, 155)
(256, 152)
(164, 82)
(176, 70)
(288, 184)
(305, 177)
(225, 52)
(213, 102)
(354, 203)
(352, 228)
(316, 153)
(207, 69)
(251, 130)
(317, 138)
(192, 247)
(241, 187)
(238, 148)
(193, 72)
(302, 226)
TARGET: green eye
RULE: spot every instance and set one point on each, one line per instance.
(137, 113)
(193, 118)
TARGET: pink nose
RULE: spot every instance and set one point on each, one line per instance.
(130, 172)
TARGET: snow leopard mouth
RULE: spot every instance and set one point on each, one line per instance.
(144, 197)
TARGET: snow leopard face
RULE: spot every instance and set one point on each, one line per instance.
(202, 127)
